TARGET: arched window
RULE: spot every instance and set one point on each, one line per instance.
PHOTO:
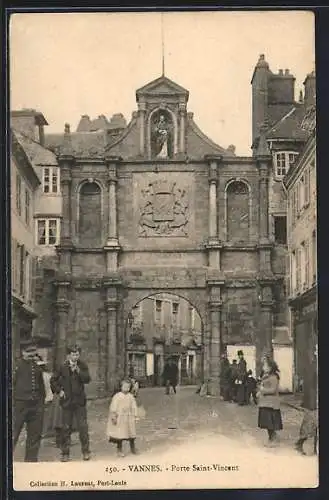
(90, 216)
(237, 211)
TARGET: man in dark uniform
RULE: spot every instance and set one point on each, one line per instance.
(234, 374)
(68, 381)
(225, 378)
(241, 380)
(28, 401)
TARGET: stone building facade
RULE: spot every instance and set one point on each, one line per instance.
(302, 223)
(158, 207)
(39, 221)
(161, 326)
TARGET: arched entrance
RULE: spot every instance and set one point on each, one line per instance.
(161, 326)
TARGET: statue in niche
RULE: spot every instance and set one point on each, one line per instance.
(161, 135)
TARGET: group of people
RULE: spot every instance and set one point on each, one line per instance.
(32, 384)
(237, 383)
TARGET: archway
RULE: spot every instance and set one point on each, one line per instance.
(160, 326)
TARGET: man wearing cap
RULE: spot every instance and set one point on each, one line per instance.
(241, 379)
(69, 381)
(28, 401)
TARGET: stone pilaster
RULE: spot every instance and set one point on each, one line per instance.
(62, 307)
(141, 118)
(213, 244)
(112, 245)
(182, 113)
(263, 158)
(215, 308)
(115, 367)
(264, 343)
(65, 245)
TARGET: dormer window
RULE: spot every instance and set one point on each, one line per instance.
(50, 180)
(283, 160)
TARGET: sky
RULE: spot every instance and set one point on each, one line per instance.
(67, 65)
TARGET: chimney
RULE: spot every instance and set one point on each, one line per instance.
(30, 123)
(259, 84)
(84, 124)
(281, 88)
(231, 149)
(310, 90)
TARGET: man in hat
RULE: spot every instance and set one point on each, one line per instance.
(170, 375)
(241, 379)
(68, 382)
(28, 400)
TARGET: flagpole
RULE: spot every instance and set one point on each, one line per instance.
(162, 46)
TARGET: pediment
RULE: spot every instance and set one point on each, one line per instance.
(162, 86)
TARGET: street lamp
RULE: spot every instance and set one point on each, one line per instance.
(130, 319)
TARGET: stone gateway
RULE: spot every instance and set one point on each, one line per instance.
(160, 208)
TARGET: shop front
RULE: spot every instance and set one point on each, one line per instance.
(305, 336)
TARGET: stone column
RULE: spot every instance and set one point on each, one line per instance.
(182, 111)
(62, 307)
(263, 203)
(215, 306)
(65, 246)
(112, 244)
(112, 362)
(142, 111)
(213, 244)
(264, 339)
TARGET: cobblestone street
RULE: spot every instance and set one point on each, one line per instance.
(173, 420)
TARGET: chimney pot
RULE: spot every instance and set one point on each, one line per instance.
(67, 128)
(286, 72)
(280, 71)
(85, 116)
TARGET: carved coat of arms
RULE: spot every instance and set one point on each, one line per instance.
(163, 210)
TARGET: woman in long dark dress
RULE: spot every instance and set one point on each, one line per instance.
(269, 413)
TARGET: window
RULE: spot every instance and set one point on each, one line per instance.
(293, 272)
(90, 215)
(280, 230)
(50, 180)
(314, 257)
(175, 309)
(48, 231)
(307, 264)
(283, 161)
(18, 194)
(293, 206)
(21, 283)
(27, 207)
(307, 187)
(298, 268)
(158, 311)
(237, 211)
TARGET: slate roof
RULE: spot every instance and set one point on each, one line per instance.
(37, 154)
(83, 144)
(289, 126)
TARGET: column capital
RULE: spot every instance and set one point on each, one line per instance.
(112, 161)
(66, 176)
(111, 305)
(215, 305)
(62, 305)
(66, 160)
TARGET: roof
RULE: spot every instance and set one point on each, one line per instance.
(162, 86)
(199, 144)
(37, 154)
(83, 144)
(289, 126)
(22, 158)
(39, 118)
